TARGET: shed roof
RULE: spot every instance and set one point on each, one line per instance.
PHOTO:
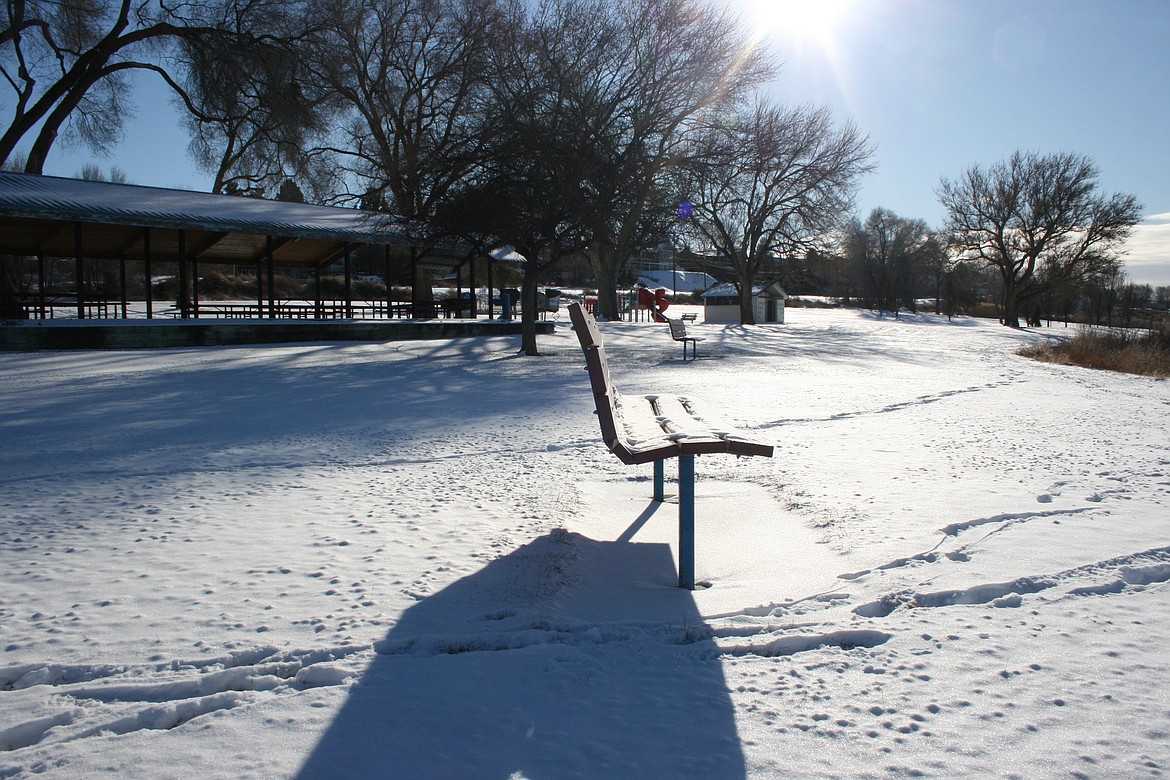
(37, 215)
(729, 290)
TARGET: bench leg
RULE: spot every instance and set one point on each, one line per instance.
(686, 521)
(659, 481)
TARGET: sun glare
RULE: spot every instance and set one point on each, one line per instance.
(809, 19)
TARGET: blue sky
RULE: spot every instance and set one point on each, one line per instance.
(939, 85)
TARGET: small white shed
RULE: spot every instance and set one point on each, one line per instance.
(721, 303)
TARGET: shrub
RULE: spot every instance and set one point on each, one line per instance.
(333, 288)
(1145, 352)
(225, 287)
(813, 302)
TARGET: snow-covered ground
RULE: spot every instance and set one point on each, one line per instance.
(416, 560)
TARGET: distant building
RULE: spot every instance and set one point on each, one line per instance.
(677, 281)
(721, 303)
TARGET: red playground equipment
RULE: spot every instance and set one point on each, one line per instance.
(655, 301)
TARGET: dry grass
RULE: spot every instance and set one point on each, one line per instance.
(1132, 352)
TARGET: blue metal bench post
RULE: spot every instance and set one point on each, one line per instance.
(686, 514)
(686, 521)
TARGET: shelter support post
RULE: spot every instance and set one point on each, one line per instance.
(472, 301)
(491, 304)
(122, 284)
(269, 260)
(368, 258)
(458, 310)
(184, 295)
(348, 269)
(259, 289)
(195, 287)
(318, 301)
(41, 285)
(659, 481)
(147, 274)
(79, 270)
(386, 280)
(415, 296)
(686, 521)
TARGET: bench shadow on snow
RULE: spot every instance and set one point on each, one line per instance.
(567, 657)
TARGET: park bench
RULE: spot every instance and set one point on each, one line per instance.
(655, 428)
(678, 332)
(687, 316)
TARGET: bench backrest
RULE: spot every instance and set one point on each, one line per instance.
(604, 394)
(678, 331)
(642, 447)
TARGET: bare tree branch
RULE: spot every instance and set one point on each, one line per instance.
(1039, 220)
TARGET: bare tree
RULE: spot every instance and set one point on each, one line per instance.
(1134, 299)
(545, 136)
(407, 78)
(934, 264)
(1101, 292)
(773, 181)
(888, 253)
(588, 101)
(674, 62)
(1034, 213)
(93, 172)
(959, 289)
(252, 109)
(66, 62)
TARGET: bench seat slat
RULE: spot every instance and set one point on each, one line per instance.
(669, 426)
(697, 432)
(640, 439)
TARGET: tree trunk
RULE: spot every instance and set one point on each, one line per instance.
(528, 314)
(605, 269)
(747, 309)
(39, 151)
(1011, 313)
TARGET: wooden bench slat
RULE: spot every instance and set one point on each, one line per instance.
(598, 367)
(588, 333)
(640, 439)
(697, 433)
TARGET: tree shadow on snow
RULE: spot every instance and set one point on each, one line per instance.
(568, 657)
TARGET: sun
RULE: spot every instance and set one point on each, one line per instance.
(812, 20)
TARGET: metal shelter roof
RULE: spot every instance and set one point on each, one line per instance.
(38, 215)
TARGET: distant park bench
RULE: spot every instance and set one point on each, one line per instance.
(688, 316)
(678, 332)
(654, 428)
